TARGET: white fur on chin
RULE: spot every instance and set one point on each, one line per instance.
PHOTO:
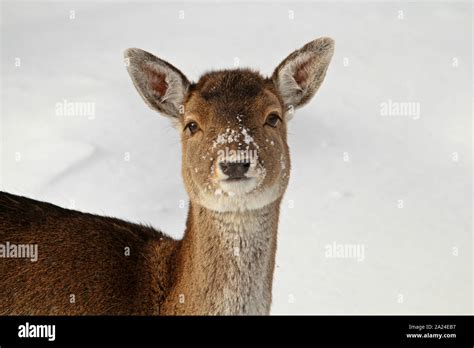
(253, 200)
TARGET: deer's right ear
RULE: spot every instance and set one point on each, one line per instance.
(161, 85)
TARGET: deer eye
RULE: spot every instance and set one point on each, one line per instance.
(273, 119)
(192, 128)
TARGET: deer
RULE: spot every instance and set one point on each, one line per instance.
(235, 168)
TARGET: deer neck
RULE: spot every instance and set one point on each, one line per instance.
(227, 260)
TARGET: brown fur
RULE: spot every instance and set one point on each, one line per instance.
(224, 264)
(83, 255)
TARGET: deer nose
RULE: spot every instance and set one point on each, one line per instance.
(235, 170)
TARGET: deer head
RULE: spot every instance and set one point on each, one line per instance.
(233, 123)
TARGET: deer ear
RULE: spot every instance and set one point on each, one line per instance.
(161, 85)
(299, 76)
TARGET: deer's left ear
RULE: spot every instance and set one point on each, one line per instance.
(299, 76)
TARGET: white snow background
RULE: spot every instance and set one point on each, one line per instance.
(351, 165)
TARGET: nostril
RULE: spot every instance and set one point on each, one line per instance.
(224, 167)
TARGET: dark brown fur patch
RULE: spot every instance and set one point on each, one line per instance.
(230, 84)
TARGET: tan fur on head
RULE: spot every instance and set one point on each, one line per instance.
(230, 108)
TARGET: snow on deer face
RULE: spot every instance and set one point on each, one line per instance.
(233, 123)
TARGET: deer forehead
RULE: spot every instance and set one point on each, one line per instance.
(231, 97)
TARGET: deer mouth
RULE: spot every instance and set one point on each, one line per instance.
(240, 185)
(241, 179)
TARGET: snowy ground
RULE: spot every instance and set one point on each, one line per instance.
(398, 186)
